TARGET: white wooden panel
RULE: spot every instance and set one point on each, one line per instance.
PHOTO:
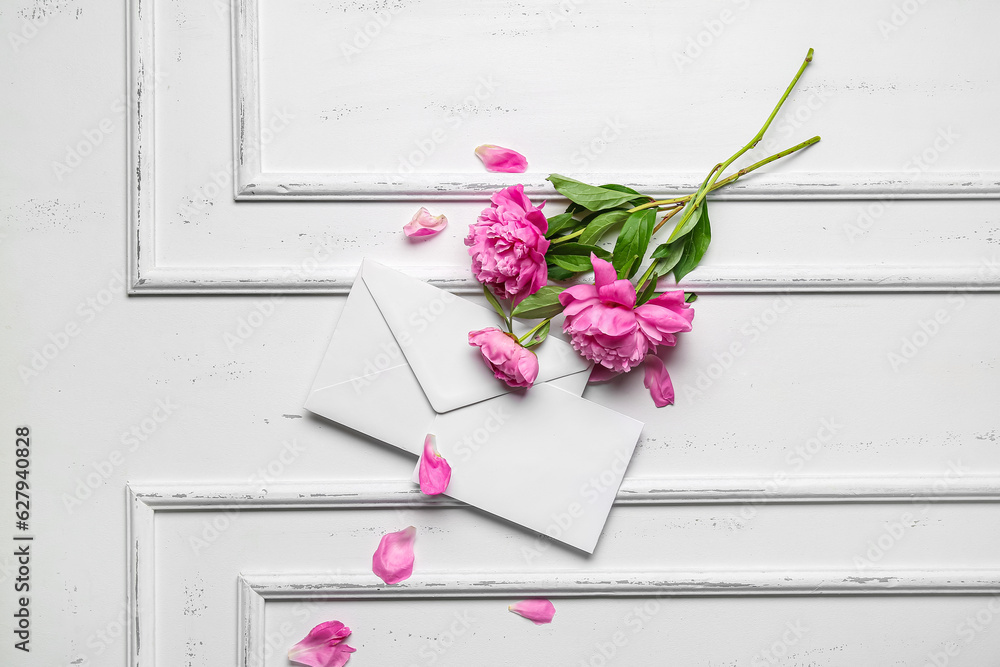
(202, 539)
(898, 126)
(451, 75)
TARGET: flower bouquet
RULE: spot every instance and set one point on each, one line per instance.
(618, 322)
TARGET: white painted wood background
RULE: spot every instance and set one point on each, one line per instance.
(799, 444)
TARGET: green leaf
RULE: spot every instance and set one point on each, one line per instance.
(633, 242)
(559, 273)
(559, 222)
(640, 198)
(647, 292)
(691, 298)
(668, 254)
(538, 336)
(496, 304)
(578, 249)
(574, 263)
(543, 303)
(661, 269)
(695, 244)
(601, 223)
(688, 224)
(591, 197)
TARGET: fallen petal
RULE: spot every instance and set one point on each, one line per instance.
(393, 560)
(435, 473)
(323, 646)
(423, 224)
(500, 159)
(538, 611)
(657, 381)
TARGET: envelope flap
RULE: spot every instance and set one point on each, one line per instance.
(431, 327)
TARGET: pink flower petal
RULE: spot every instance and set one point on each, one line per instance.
(602, 374)
(500, 159)
(322, 647)
(538, 611)
(423, 224)
(657, 380)
(604, 272)
(621, 292)
(393, 560)
(435, 473)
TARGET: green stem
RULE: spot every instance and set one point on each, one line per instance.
(724, 182)
(756, 165)
(533, 330)
(667, 217)
(646, 276)
(729, 179)
(561, 239)
(753, 142)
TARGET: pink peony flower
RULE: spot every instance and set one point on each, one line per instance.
(435, 473)
(657, 381)
(508, 245)
(322, 647)
(508, 359)
(393, 559)
(423, 224)
(605, 326)
(500, 159)
(539, 611)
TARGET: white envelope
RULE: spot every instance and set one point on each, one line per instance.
(399, 366)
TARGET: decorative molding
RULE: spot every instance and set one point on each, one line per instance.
(255, 590)
(252, 183)
(148, 276)
(591, 584)
(710, 279)
(858, 185)
(143, 502)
